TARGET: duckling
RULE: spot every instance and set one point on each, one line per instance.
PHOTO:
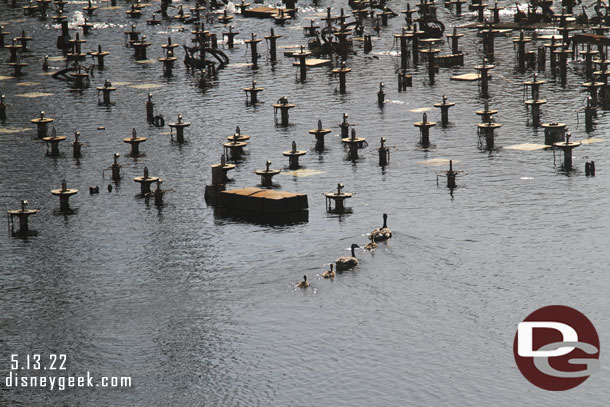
(347, 262)
(304, 283)
(371, 246)
(383, 233)
(329, 273)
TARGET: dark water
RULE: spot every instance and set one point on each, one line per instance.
(203, 310)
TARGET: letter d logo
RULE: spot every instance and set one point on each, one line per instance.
(525, 338)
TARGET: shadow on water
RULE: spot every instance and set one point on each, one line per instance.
(285, 219)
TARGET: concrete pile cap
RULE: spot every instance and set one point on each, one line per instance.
(492, 125)
(284, 106)
(42, 119)
(353, 140)
(98, 53)
(23, 210)
(403, 34)
(13, 46)
(592, 84)
(555, 125)
(342, 70)
(270, 37)
(270, 171)
(589, 52)
(234, 143)
(149, 179)
(444, 103)
(424, 124)
(134, 139)
(456, 34)
(141, 43)
(230, 32)
(253, 40)
(24, 37)
(486, 112)
(320, 131)
(179, 123)
(535, 102)
(484, 66)
(77, 40)
(52, 138)
(294, 153)
(335, 194)
(67, 191)
(254, 88)
(238, 137)
(519, 39)
(106, 88)
(532, 82)
(564, 144)
(169, 44)
(599, 61)
(225, 167)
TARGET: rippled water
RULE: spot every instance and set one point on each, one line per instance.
(203, 310)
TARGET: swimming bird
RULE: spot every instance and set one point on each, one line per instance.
(347, 262)
(304, 283)
(329, 273)
(372, 245)
(383, 233)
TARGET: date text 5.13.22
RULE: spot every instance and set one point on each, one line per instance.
(36, 361)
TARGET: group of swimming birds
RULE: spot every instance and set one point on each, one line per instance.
(349, 262)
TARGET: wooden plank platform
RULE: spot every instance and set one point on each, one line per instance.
(264, 12)
(290, 52)
(592, 39)
(263, 201)
(446, 61)
(314, 62)
(527, 147)
(260, 12)
(500, 32)
(466, 77)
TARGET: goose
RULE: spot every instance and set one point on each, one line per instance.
(304, 283)
(329, 273)
(347, 262)
(383, 233)
(372, 245)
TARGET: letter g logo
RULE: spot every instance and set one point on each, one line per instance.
(556, 348)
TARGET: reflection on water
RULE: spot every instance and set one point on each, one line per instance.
(202, 309)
